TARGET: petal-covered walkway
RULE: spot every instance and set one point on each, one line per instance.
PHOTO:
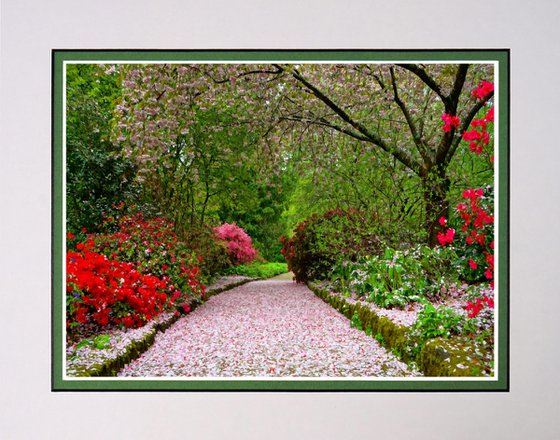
(265, 328)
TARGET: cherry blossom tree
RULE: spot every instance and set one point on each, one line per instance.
(397, 109)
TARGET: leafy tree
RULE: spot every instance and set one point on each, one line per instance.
(396, 110)
(96, 176)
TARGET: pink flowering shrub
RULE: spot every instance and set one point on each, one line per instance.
(239, 244)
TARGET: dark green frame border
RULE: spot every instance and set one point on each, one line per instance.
(502, 56)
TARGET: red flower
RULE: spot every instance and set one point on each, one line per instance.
(186, 308)
(446, 238)
(474, 309)
(442, 221)
(473, 265)
(449, 122)
(489, 301)
(483, 89)
(128, 321)
(70, 236)
(81, 315)
(490, 115)
(80, 246)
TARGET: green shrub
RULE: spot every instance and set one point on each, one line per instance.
(203, 242)
(322, 240)
(437, 322)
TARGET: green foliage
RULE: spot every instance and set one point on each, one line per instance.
(322, 240)
(355, 322)
(437, 322)
(95, 180)
(202, 241)
(258, 269)
(379, 338)
(350, 175)
(397, 277)
(96, 176)
(100, 342)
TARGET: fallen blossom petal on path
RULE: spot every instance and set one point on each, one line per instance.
(272, 328)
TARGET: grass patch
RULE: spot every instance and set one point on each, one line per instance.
(258, 269)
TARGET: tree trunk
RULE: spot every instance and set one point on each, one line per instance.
(434, 187)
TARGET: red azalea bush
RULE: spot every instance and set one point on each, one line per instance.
(239, 244)
(322, 240)
(150, 262)
(478, 226)
(476, 212)
(103, 291)
(479, 136)
(153, 245)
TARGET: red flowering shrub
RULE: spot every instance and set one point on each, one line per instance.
(479, 136)
(154, 247)
(139, 257)
(239, 244)
(476, 213)
(322, 240)
(103, 291)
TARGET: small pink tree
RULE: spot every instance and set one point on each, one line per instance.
(239, 244)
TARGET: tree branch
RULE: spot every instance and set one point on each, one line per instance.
(457, 88)
(242, 74)
(324, 123)
(426, 79)
(417, 139)
(401, 155)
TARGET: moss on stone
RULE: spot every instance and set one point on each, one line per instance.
(441, 357)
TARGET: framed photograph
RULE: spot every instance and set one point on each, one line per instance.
(280, 220)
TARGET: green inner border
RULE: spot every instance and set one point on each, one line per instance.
(502, 56)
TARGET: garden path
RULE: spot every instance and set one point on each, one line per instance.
(270, 328)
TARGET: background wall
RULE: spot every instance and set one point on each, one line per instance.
(30, 29)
